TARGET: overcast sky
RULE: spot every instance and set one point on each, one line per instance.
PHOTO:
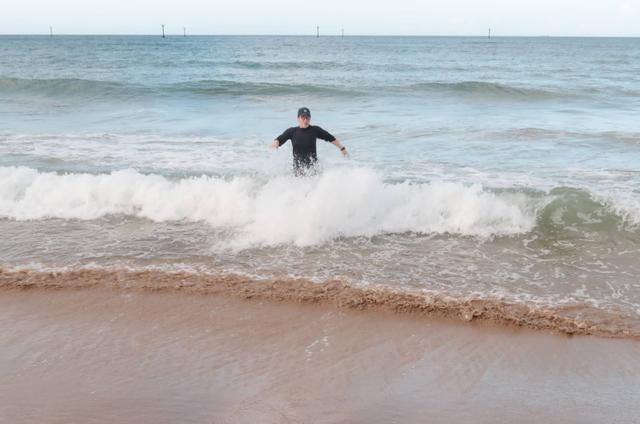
(357, 17)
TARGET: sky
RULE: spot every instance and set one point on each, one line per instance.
(356, 17)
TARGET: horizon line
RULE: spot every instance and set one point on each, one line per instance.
(337, 35)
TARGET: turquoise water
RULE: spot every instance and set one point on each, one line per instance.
(504, 167)
(466, 104)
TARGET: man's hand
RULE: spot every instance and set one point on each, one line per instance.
(274, 145)
(342, 148)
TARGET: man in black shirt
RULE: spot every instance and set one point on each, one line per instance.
(303, 138)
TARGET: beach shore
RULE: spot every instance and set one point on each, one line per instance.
(97, 355)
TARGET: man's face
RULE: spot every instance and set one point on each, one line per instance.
(304, 120)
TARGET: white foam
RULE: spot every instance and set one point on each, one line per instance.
(282, 209)
(623, 203)
(159, 154)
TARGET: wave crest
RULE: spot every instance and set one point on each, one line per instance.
(105, 90)
(65, 87)
(346, 202)
(486, 89)
(119, 90)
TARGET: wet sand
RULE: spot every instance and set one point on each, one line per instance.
(113, 356)
(569, 319)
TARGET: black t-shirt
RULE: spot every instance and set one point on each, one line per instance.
(304, 143)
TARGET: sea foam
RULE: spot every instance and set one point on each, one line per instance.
(281, 209)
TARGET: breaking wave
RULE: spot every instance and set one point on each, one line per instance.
(307, 211)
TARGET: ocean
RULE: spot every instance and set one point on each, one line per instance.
(500, 173)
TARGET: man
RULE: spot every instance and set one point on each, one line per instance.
(303, 138)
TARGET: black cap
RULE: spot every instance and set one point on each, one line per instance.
(304, 111)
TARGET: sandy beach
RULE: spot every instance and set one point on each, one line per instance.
(475, 259)
(97, 355)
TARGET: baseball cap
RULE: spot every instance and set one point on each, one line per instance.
(304, 111)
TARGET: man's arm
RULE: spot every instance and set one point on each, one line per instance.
(342, 148)
(281, 139)
(325, 135)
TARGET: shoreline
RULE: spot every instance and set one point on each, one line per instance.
(133, 356)
(568, 320)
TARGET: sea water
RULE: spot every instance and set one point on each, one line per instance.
(479, 168)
